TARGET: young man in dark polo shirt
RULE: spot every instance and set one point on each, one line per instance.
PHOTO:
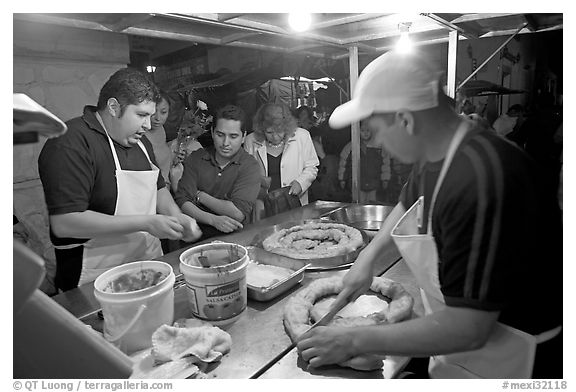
(220, 184)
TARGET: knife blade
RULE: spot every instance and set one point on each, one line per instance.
(336, 307)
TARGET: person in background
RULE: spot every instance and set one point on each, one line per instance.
(284, 151)
(374, 165)
(106, 199)
(220, 184)
(157, 136)
(472, 224)
(306, 120)
(507, 121)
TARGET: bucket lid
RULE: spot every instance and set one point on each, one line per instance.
(213, 256)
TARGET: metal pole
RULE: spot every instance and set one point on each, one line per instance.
(490, 57)
(452, 59)
(355, 127)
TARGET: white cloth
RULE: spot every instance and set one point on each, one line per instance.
(137, 195)
(508, 353)
(299, 160)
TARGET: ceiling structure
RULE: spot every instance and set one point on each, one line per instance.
(331, 35)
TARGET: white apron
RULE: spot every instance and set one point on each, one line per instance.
(508, 353)
(137, 192)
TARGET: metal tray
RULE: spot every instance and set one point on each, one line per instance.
(361, 216)
(262, 256)
(324, 263)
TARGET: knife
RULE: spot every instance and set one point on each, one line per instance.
(336, 307)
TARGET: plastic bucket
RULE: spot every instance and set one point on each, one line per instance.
(215, 277)
(130, 318)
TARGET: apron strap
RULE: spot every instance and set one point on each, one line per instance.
(452, 148)
(114, 154)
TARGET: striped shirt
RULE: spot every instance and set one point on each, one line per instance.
(498, 239)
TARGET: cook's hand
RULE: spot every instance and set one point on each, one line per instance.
(191, 230)
(163, 226)
(295, 188)
(226, 224)
(326, 345)
(357, 280)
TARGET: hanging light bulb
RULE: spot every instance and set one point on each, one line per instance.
(299, 21)
(404, 44)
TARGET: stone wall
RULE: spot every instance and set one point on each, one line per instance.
(62, 69)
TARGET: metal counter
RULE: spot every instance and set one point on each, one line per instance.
(259, 333)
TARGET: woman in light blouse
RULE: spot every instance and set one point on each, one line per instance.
(285, 152)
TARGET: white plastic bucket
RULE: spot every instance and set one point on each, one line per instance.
(217, 293)
(130, 318)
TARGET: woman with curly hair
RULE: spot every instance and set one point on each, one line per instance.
(285, 152)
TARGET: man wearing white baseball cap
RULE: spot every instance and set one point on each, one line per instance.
(474, 229)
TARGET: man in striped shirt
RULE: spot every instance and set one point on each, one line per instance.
(481, 238)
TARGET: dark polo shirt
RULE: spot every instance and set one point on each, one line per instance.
(78, 173)
(497, 233)
(238, 182)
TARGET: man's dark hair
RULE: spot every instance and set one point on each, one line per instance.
(231, 112)
(130, 87)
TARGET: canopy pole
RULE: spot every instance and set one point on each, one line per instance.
(452, 58)
(490, 57)
(355, 127)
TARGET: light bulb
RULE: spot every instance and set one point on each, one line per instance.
(404, 44)
(299, 21)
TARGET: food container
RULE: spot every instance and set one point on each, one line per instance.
(131, 317)
(215, 275)
(320, 263)
(296, 267)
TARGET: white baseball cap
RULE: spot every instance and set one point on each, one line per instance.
(392, 82)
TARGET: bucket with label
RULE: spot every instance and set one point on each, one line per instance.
(136, 299)
(215, 277)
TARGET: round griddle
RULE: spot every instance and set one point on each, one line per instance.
(321, 263)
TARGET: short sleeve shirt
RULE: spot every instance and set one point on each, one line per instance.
(78, 173)
(496, 232)
(238, 182)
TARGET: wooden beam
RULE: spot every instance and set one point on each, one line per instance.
(236, 37)
(346, 20)
(355, 127)
(532, 24)
(128, 21)
(443, 22)
(393, 32)
(225, 17)
(474, 17)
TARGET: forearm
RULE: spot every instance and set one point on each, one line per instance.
(90, 224)
(221, 207)
(201, 216)
(445, 332)
(165, 203)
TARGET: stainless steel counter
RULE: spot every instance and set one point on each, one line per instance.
(259, 334)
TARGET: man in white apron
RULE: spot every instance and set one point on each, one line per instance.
(106, 201)
(471, 225)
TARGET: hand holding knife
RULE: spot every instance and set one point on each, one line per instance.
(338, 305)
